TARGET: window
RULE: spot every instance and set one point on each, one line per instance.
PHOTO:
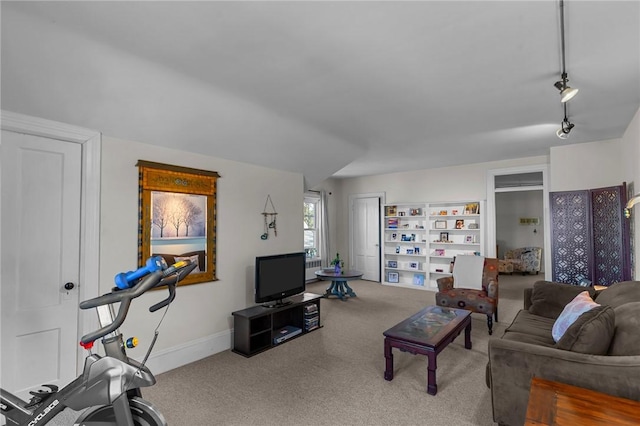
(312, 227)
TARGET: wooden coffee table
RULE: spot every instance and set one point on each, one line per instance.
(427, 332)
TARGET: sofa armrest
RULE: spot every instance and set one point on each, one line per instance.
(513, 364)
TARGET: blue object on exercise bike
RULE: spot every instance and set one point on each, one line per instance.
(126, 279)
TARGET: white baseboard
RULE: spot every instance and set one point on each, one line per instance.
(177, 356)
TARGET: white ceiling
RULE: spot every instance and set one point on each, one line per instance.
(327, 88)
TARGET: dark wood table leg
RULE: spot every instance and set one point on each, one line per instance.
(388, 357)
(467, 336)
(432, 387)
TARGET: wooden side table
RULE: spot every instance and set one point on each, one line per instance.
(554, 403)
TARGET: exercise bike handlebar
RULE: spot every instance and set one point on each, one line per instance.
(169, 277)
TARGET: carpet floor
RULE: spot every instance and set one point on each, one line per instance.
(334, 375)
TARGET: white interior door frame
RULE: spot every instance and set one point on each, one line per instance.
(491, 207)
(381, 200)
(91, 142)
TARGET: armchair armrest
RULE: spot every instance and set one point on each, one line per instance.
(513, 364)
(445, 283)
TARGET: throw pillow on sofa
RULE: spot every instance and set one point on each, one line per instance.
(579, 305)
(548, 299)
(591, 333)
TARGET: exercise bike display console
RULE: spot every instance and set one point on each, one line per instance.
(109, 386)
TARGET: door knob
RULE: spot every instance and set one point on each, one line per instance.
(69, 286)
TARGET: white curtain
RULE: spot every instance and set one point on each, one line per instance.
(324, 228)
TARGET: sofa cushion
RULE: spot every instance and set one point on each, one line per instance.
(625, 341)
(548, 299)
(620, 293)
(591, 333)
(579, 305)
(527, 323)
(529, 338)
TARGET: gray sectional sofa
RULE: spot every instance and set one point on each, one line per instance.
(600, 351)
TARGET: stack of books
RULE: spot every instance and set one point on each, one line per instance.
(311, 317)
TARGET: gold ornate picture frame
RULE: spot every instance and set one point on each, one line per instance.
(177, 217)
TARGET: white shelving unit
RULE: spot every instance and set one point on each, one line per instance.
(422, 239)
(404, 254)
(454, 228)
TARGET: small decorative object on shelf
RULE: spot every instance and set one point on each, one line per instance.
(418, 279)
(459, 224)
(338, 264)
(472, 208)
(392, 277)
(440, 224)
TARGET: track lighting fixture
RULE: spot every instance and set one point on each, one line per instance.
(566, 92)
(565, 127)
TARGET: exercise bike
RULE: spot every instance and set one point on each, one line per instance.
(109, 386)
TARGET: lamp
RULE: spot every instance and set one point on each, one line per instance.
(565, 127)
(566, 92)
(632, 202)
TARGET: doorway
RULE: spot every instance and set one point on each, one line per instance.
(41, 150)
(364, 234)
(506, 188)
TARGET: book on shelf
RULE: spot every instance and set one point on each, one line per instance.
(392, 223)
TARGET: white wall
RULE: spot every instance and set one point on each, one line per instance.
(631, 149)
(587, 166)
(445, 184)
(201, 313)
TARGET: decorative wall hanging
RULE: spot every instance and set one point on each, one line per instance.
(269, 219)
(177, 217)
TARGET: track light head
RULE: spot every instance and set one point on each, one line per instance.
(566, 93)
(565, 129)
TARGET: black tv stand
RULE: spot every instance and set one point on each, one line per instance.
(277, 304)
(255, 328)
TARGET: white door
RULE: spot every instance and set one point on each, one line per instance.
(40, 226)
(366, 237)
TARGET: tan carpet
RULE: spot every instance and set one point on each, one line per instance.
(334, 376)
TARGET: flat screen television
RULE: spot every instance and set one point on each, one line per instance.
(278, 277)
